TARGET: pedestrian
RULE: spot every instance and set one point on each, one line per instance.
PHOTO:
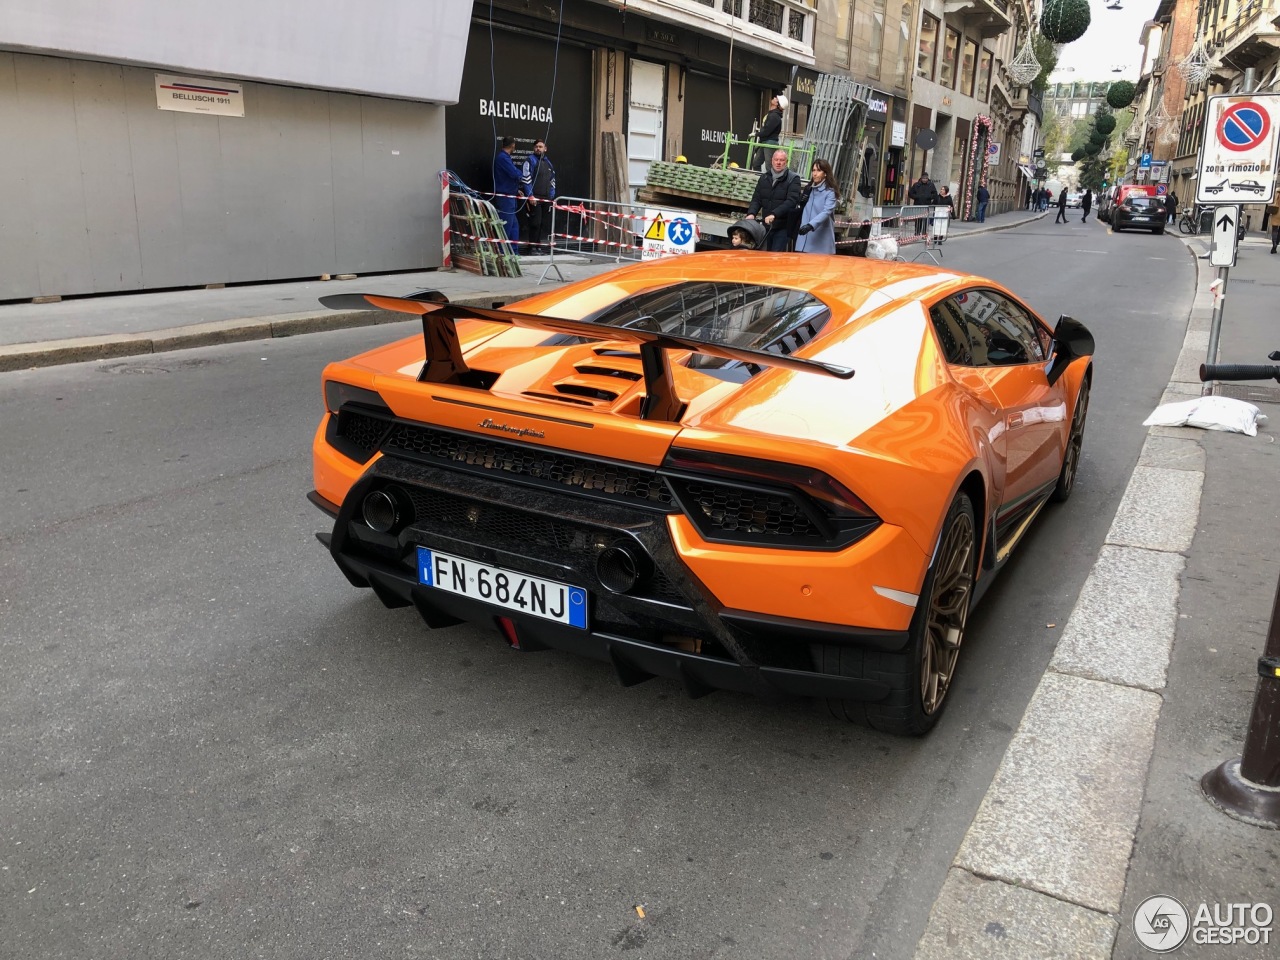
(1086, 203)
(539, 181)
(507, 191)
(746, 235)
(817, 233)
(1044, 199)
(769, 132)
(1171, 207)
(922, 193)
(945, 199)
(1273, 211)
(1062, 207)
(983, 197)
(776, 201)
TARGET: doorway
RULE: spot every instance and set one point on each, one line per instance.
(644, 120)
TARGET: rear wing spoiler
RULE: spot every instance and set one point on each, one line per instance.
(445, 363)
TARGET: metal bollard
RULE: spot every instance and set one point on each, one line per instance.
(1248, 787)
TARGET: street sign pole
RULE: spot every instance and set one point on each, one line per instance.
(1222, 254)
(1240, 141)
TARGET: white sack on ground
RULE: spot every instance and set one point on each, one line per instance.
(1210, 413)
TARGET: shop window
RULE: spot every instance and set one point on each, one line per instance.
(947, 74)
(927, 47)
(968, 65)
(984, 71)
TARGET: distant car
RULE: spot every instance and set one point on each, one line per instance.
(1216, 188)
(1139, 211)
(672, 468)
(1250, 186)
(1073, 199)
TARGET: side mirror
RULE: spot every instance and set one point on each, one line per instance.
(1071, 341)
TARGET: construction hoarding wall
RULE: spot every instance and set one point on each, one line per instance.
(101, 191)
(517, 85)
(409, 50)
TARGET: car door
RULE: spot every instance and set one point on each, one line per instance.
(1008, 349)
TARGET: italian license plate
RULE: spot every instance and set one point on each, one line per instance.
(1141, 219)
(503, 588)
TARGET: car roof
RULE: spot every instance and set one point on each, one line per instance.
(853, 283)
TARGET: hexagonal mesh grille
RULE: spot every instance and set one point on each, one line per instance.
(720, 509)
(576, 472)
(361, 430)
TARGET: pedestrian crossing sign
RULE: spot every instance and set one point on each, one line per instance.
(668, 233)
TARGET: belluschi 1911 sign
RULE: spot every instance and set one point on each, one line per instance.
(198, 95)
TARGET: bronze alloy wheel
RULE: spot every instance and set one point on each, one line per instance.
(948, 611)
(1075, 440)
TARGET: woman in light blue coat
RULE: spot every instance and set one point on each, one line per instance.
(817, 232)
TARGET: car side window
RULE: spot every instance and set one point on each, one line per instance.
(948, 323)
(998, 331)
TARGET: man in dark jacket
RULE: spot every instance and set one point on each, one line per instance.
(538, 178)
(1086, 204)
(983, 197)
(1062, 207)
(776, 202)
(507, 189)
(922, 193)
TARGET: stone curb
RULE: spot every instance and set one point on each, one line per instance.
(1047, 854)
(999, 226)
(27, 356)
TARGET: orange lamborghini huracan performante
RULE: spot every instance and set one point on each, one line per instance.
(778, 473)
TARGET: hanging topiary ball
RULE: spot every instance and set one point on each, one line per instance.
(1077, 156)
(1065, 20)
(1092, 148)
(1104, 123)
(1120, 94)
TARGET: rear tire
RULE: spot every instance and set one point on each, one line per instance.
(920, 675)
(1075, 443)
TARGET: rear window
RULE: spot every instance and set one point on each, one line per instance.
(754, 316)
(1141, 202)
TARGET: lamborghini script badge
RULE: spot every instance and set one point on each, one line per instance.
(489, 424)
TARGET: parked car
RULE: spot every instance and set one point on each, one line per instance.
(1139, 211)
(673, 468)
(1074, 198)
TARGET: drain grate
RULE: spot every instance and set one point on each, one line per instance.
(1244, 391)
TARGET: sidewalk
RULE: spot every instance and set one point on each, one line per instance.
(103, 327)
(1097, 805)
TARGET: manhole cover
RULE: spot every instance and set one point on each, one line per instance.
(1245, 391)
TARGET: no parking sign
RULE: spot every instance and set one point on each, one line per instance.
(1238, 159)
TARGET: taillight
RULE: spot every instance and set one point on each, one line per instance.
(337, 393)
(830, 493)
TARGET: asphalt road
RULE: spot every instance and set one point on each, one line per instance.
(215, 747)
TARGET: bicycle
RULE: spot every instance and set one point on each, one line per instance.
(1187, 223)
(1242, 371)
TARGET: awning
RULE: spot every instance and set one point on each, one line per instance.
(1026, 171)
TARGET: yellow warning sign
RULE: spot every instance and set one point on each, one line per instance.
(657, 230)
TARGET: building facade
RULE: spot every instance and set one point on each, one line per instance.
(613, 85)
(963, 95)
(148, 145)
